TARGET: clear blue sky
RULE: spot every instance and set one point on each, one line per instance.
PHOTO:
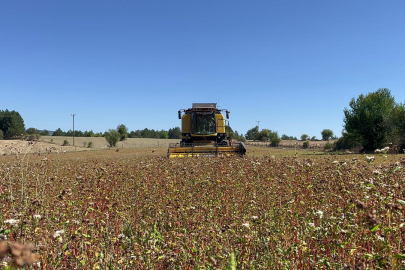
(292, 65)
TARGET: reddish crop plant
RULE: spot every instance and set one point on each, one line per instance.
(83, 211)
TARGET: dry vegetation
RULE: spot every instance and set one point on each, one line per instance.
(274, 209)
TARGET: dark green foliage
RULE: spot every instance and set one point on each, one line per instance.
(1, 134)
(174, 133)
(369, 118)
(163, 134)
(263, 135)
(123, 130)
(397, 127)
(285, 137)
(44, 132)
(328, 146)
(327, 134)
(305, 145)
(346, 142)
(234, 135)
(252, 134)
(32, 130)
(58, 132)
(12, 124)
(275, 140)
(65, 143)
(112, 136)
(304, 137)
(88, 133)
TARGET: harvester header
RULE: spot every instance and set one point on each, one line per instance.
(203, 132)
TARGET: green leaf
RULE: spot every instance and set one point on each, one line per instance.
(64, 247)
(400, 201)
(399, 256)
(396, 169)
(374, 228)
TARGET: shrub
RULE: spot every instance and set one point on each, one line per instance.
(328, 146)
(112, 136)
(90, 145)
(32, 137)
(65, 142)
(305, 145)
(346, 142)
(275, 141)
(123, 131)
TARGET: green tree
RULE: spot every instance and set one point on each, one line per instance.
(163, 134)
(304, 137)
(275, 139)
(398, 125)
(44, 132)
(327, 134)
(58, 132)
(123, 130)
(286, 137)
(252, 134)
(32, 130)
(12, 124)
(137, 134)
(264, 135)
(112, 136)
(174, 133)
(369, 118)
(88, 134)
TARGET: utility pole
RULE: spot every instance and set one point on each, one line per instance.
(73, 129)
(258, 125)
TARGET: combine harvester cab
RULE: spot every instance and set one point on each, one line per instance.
(203, 133)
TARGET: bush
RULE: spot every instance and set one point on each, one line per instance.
(328, 146)
(275, 141)
(346, 142)
(123, 131)
(305, 145)
(90, 145)
(33, 137)
(112, 136)
(65, 142)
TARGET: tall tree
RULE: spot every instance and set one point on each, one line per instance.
(174, 133)
(398, 125)
(252, 134)
(58, 132)
(326, 134)
(123, 130)
(369, 118)
(304, 137)
(12, 124)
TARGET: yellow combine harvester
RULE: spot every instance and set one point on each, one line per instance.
(203, 133)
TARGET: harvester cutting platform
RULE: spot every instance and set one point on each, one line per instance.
(203, 133)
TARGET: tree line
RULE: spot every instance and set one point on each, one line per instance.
(371, 122)
(272, 136)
